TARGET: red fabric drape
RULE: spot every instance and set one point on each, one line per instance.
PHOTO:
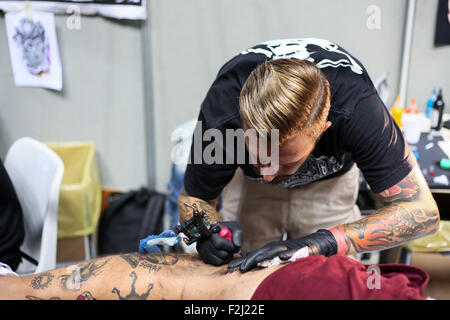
(342, 278)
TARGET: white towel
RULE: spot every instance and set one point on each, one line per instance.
(301, 253)
(5, 270)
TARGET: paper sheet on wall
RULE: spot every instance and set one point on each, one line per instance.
(33, 49)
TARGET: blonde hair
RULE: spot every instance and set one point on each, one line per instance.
(290, 95)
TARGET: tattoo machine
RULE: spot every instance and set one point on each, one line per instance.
(200, 226)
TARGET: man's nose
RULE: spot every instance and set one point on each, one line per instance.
(269, 178)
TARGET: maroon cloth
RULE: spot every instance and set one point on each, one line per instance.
(341, 278)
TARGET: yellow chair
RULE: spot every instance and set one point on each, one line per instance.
(437, 242)
(81, 193)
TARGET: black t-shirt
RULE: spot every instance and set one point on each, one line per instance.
(362, 129)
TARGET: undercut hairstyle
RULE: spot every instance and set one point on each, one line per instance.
(290, 95)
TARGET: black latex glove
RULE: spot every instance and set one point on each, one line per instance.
(216, 250)
(322, 242)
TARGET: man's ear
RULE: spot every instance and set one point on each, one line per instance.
(327, 125)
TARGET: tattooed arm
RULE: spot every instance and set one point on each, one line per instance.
(186, 212)
(409, 212)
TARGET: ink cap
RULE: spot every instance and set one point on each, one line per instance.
(445, 163)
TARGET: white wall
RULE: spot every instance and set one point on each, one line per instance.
(192, 39)
(104, 98)
(430, 65)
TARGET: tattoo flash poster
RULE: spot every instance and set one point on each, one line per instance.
(119, 9)
(33, 48)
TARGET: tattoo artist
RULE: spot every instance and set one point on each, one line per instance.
(332, 124)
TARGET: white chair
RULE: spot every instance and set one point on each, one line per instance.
(36, 173)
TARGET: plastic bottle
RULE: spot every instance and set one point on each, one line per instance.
(412, 108)
(437, 112)
(430, 103)
(411, 122)
(397, 111)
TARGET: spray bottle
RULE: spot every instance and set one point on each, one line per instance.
(437, 112)
(430, 103)
(397, 111)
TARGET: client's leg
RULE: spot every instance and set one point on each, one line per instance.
(135, 276)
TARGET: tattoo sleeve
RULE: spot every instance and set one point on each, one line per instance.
(186, 212)
(409, 212)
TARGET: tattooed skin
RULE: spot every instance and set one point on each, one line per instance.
(131, 258)
(151, 267)
(81, 274)
(86, 295)
(135, 259)
(36, 298)
(186, 212)
(133, 295)
(405, 190)
(41, 281)
(409, 213)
